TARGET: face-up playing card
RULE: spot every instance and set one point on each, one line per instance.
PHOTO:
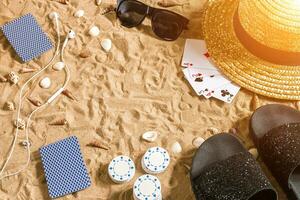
(203, 80)
(199, 72)
(226, 92)
(202, 74)
(196, 55)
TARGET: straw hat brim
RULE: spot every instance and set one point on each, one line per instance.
(236, 62)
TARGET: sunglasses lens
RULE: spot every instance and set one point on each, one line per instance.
(131, 13)
(167, 25)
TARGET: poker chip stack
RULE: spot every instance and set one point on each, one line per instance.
(147, 187)
(121, 169)
(155, 160)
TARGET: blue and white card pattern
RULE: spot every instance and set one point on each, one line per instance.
(26, 37)
(64, 168)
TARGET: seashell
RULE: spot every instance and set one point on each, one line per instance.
(35, 102)
(20, 124)
(25, 143)
(94, 31)
(198, 141)
(79, 13)
(213, 130)
(97, 145)
(13, 78)
(60, 122)
(9, 106)
(58, 66)
(26, 70)
(106, 10)
(176, 148)
(150, 136)
(232, 131)
(254, 152)
(106, 44)
(3, 79)
(45, 83)
(67, 93)
(98, 2)
(62, 1)
(85, 53)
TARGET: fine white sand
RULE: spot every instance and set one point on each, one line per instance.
(138, 86)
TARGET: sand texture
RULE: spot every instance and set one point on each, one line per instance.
(138, 86)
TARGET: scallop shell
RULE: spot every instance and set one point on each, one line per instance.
(98, 2)
(45, 83)
(13, 78)
(106, 44)
(94, 31)
(20, 124)
(254, 152)
(198, 141)
(176, 148)
(79, 13)
(150, 136)
(9, 106)
(59, 66)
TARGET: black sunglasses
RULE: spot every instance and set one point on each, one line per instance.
(166, 24)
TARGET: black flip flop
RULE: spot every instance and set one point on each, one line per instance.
(275, 129)
(223, 169)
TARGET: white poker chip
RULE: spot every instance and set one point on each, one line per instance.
(147, 187)
(155, 160)
(121, 169)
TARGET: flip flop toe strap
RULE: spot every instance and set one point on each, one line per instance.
(280, 149)
(236, 178)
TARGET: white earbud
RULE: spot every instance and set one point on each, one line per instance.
(53, 16)
(71, 34)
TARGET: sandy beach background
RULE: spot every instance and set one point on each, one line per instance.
(138, 86)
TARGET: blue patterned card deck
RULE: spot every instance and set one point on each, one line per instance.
(26, 37)
(64, 167)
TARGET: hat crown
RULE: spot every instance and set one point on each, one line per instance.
(274, 23)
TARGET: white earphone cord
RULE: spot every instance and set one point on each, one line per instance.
(67, 71)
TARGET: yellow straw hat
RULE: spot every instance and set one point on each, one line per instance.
(256, 43)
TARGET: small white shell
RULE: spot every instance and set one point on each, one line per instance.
(106, 44)
(198, 141)
(45, 83)
(98, 2)
(254, 152)
(176, 148)
(13, 77)
(71, 34)
(94, 31)
(79, 13)
(59, 66)
(20, 124)
(150, 136)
